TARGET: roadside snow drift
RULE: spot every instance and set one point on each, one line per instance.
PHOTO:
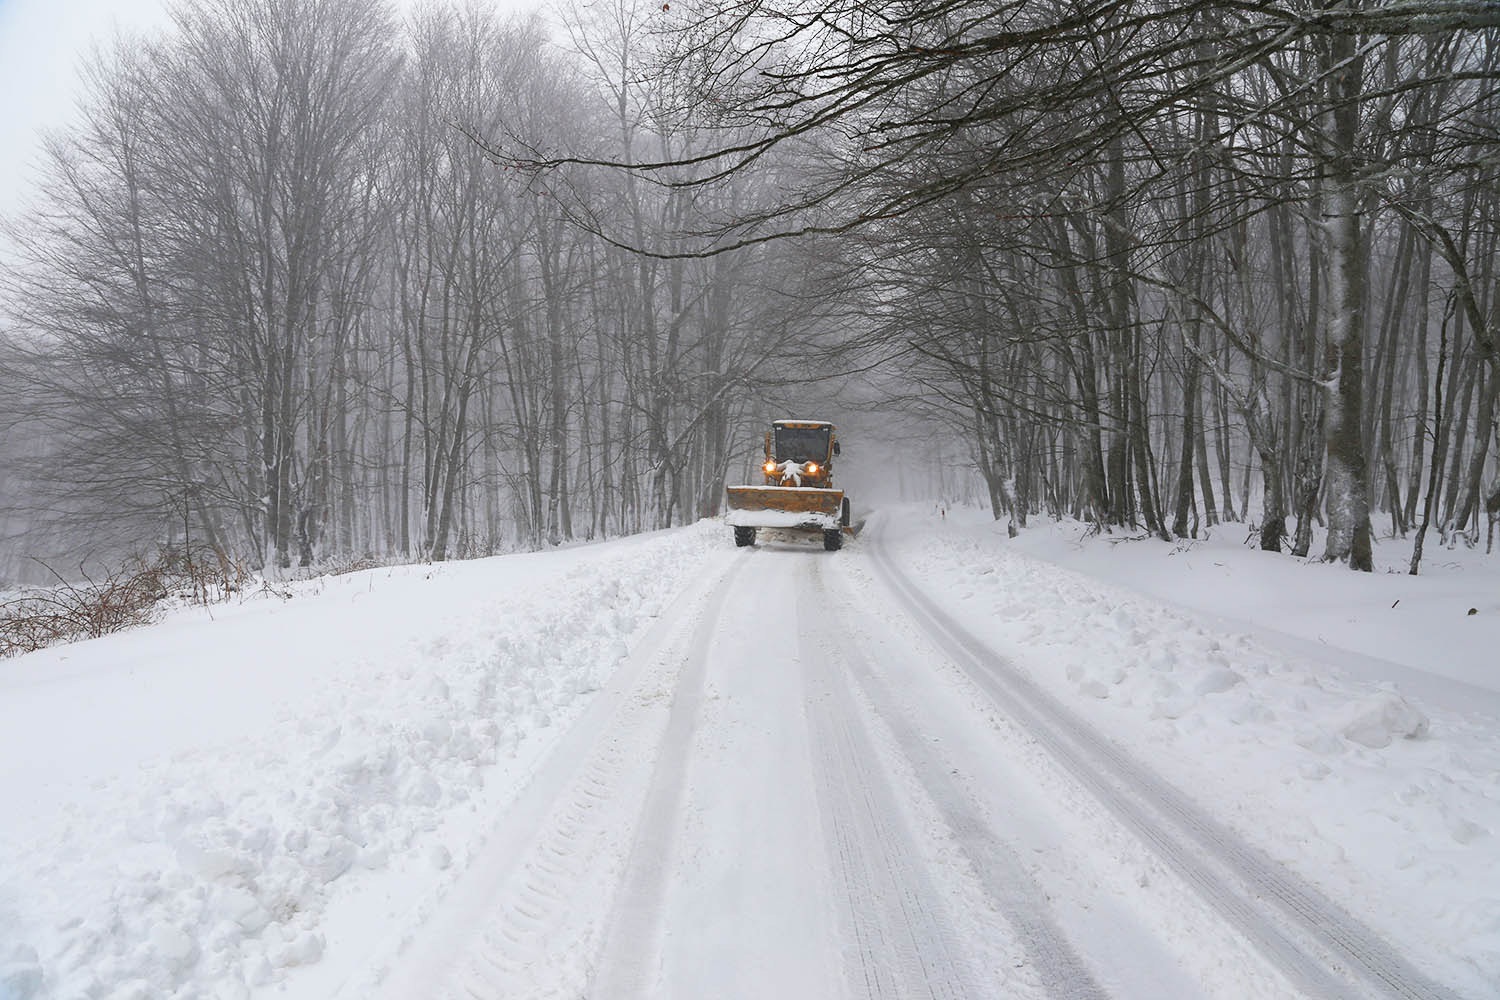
(183, 802)
(1387, 801)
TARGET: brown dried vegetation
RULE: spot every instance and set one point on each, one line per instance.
(88, 608)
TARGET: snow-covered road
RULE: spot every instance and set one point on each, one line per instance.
(924, 766)
(812, 782)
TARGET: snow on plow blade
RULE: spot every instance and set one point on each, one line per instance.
(784, 507)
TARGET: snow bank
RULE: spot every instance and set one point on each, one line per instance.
(1391, 804)
(1380, 718)
(1389, 619)
(382, 704)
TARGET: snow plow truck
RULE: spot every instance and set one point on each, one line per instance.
(798, 495)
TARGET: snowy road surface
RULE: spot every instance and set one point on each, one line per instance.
(665, 767)
(813, 783)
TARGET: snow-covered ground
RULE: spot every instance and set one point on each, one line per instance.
(664, 766)
(1415, 630)
(189, 807)
(1348, 723)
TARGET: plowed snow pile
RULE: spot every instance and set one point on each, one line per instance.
(1378, 780)
(183, 804)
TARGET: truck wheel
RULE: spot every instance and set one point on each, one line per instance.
(833, 539)
(744, 536)
(844, 513)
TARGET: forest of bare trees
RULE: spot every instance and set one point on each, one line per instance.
(276, 304)
(311, 280)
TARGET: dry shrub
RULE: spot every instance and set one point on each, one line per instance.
(86, 610)
(203, 577)
(69, 611)
(352, 564)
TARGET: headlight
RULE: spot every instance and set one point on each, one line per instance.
(812, 468)
(770, 468)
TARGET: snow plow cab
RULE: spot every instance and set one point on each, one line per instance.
(798, 495)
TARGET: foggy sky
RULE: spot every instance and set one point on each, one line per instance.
(42, 43)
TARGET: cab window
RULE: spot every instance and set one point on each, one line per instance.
(802, 444)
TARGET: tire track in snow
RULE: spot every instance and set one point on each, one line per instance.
(631, 956)
(1006, 882)
(1319, 947)
(904, 946)
(533, 938)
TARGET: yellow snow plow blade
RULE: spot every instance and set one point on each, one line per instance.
(791, 499)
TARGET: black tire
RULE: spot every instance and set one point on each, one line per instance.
(833, 539)
(744, 536)
(844, 513)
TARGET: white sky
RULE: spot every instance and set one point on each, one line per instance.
(42, 43)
